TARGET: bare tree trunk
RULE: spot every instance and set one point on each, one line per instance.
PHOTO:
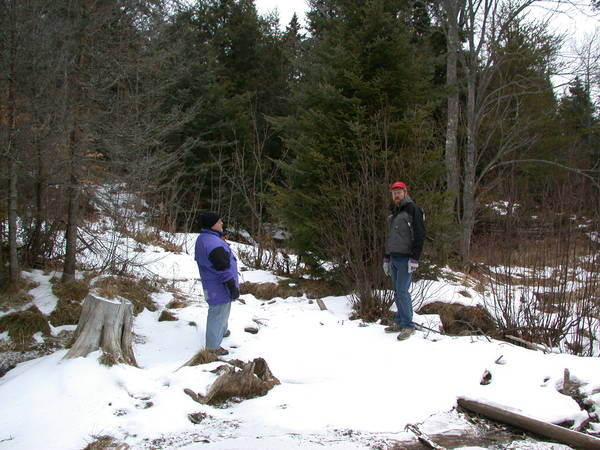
(73, 214)
(468, 214)
(35, 247)
(452, 164)
(107, 325)
(12, 222)
(12, 150)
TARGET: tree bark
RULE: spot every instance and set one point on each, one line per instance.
(107, 325)
(12, 153)
(536, 426)
(452, 47)
(72, 216)
(468, 204)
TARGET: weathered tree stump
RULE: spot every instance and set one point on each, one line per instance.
(105, 324)
(253, 380)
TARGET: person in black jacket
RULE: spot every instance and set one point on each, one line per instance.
(403, 246)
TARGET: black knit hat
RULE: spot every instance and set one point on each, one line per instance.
(208, 219)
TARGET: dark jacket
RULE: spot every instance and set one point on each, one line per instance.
(218, 268)
(405, 230)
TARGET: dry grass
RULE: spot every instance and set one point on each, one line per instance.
(105, 442)
(71, 290)
(167, 316)
(462, 320)
(70, 296)
(22, 325)
(178, 302)
(204, 356)
(292, 288)
(137, 291)
(154, 238)
(17, 295)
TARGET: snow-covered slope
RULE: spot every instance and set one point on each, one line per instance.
(344, 384)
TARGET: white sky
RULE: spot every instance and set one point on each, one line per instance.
(577, 17)
(286, 9)
(576, 21)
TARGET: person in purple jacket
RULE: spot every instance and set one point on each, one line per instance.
(219, 275)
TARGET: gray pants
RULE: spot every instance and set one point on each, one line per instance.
(216, 324)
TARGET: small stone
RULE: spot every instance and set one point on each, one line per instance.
(486, 378)
(197, 417)
(251, 330)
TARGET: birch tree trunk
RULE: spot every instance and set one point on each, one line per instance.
(106, 325)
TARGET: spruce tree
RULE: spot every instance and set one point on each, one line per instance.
(363, 120)
(236, 74)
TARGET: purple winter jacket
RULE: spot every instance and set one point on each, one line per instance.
(218, 268)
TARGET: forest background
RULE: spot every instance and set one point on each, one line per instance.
(208, 105)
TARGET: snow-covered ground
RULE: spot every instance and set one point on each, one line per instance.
(344, 384)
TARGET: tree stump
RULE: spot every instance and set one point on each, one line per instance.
(105, 324)
(253, 380)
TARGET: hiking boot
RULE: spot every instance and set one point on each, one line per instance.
(220, 351)
(405, 333)
(394, 328)
(227, 334)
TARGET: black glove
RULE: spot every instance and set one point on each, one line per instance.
(234, 292)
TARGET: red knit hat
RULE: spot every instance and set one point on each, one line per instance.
(398, 185)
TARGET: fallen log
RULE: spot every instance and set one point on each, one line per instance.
(321, 304)
(530, 345)
(539, 427)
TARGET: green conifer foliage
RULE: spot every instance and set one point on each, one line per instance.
(363, 120)
(232, 71)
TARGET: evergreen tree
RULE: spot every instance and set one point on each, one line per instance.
(580, 129)
(233, 70)
(363, 119)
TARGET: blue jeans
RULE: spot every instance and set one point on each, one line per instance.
(401, 282)
(216, 324)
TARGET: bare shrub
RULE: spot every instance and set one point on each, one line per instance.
(541, 291)
(266, 254)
